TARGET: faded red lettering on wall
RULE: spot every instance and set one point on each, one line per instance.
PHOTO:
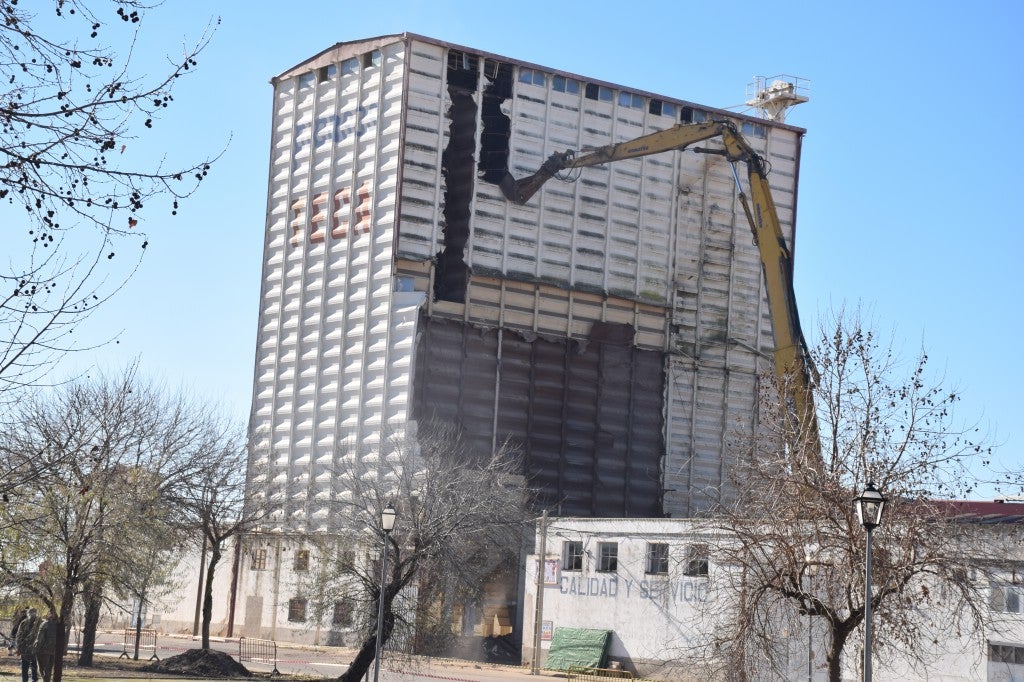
(341, 197)
(297, 226)
(363, 209)
(318, 223)
(337, 218)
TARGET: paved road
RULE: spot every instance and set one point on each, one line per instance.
(330, 662)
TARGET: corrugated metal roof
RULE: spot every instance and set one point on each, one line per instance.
(979, 511)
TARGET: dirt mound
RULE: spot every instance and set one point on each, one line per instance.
(200, 663)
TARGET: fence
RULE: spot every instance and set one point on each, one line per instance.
(6, 636)
(258, 651)
(578, 674)
(147, 642)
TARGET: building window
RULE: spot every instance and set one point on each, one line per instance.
(696, 561)
(659, 108)
(563, 84)
(371, 59)
(297, 610)
(657, 558)
(350, 67)
(631, 100)
(572, 556)
(307, 80)
(342, 613)
(754, 130)
(598, 92)
(346, 559)
(608, 556)
(1006, 653)
(258, 560)
(460, 61)
(532, 76)
(691, 115)
(302, 560)
(1005, 598)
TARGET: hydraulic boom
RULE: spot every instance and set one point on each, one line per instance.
(792, 364)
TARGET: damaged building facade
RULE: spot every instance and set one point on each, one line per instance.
(613, 328)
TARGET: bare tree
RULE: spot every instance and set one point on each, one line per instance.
(461, 517)
(70, 115)
(793, 548)
(154, 545)
(213, 504)
(120, 444)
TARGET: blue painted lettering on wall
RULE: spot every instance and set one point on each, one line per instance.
(690, 591)
(335, 129)
(590, 587)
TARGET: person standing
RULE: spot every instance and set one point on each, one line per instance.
(46, 645)
(19, 615)
(25, 642)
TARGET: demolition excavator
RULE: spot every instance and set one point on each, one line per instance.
(792, 362)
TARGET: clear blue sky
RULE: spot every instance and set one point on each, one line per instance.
(909, 184)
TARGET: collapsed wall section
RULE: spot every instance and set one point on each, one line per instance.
(585, 414)
(458, 169)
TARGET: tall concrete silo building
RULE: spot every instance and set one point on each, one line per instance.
(614, 327)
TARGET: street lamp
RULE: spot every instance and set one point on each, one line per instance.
(387, 524)
(869, 510)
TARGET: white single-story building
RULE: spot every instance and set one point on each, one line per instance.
(652, 584)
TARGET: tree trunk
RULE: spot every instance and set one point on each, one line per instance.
(138, 630)
(92, 599)
(208, 594)
(67, 608)
(835, 652)
(361, 663)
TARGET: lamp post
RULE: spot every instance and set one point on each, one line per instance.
(387, 523)
(869, 510)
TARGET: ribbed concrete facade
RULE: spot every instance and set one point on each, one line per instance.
(613, 327)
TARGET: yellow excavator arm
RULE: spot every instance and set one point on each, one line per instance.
(792, 363)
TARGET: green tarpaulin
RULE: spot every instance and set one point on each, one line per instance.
(578, 647)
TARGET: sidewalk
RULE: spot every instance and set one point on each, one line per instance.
(327, 662)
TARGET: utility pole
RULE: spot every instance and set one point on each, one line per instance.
(539, 599)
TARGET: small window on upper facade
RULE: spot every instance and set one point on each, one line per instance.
(608, 557)
(258, 560)
(371, 59)
(659, 108)
(307, 80)
(563, 84)
(754, 130)
(631, 100)
(598, 92)
(532, 76)
(691, 115)
(461, 61)
(696, 561)
(657, 558)
(302, 560)
(350, 67)
(572, 556)
(297, 610)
